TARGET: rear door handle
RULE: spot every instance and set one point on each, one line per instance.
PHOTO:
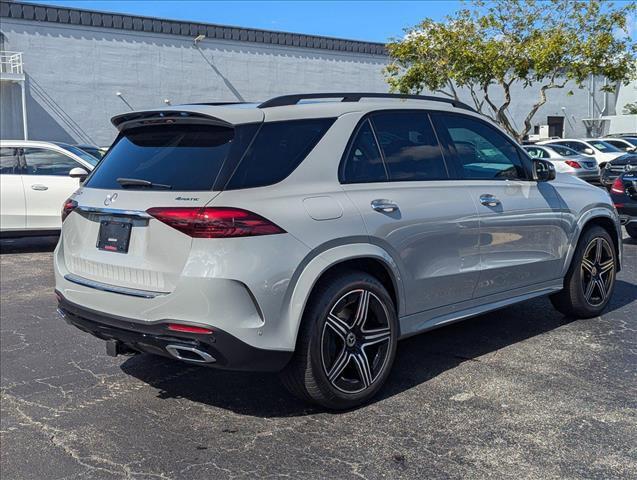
(39, 186)
(385, 206)
(489, 200)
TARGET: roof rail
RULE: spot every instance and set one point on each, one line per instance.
(286, 100)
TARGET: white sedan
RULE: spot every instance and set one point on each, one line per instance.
(35, 180)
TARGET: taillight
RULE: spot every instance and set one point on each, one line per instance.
(179, 327)
(573, 163)
(215, 222)
(618, 186)
(68, 206)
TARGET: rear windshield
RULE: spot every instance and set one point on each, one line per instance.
(183, 157)
(203, 157)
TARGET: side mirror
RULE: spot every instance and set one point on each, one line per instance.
(78, 172)
(543, 170)
(589, 151)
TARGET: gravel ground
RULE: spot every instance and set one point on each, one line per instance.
(522, 392)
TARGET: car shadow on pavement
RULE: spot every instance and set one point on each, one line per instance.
(28, 244)
(419, 359)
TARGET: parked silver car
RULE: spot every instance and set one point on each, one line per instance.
(565, 160)
(310, 237)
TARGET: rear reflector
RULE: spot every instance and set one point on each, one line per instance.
(215, 222)
(177, 327)
(68, 206)
(573, 164)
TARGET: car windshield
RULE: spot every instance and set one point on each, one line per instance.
(563, 151)
(80, 153)
(95, 151)
(604, 146)
(631, 140)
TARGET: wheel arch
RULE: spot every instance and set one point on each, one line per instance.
(604, 218)
(356, 256)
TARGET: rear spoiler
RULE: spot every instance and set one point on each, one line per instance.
(200, 114)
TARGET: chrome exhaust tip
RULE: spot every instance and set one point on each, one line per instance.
(189, 354)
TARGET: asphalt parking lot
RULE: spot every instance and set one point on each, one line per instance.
(522, 392)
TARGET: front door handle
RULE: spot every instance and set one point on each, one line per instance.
(385, 206)
(489, 200)
(39, 187)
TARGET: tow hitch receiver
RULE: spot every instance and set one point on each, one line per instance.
(115, 348)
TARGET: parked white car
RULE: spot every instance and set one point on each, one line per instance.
(600, 150)
(628, 144)
(35, 180)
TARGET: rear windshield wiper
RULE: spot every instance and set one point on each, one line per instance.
(138, 182)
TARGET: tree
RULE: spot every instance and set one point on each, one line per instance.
(494, 45)
(630, 109)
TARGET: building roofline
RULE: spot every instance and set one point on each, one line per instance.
(136, 23)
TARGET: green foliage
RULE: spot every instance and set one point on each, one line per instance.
(630, 109)
(493, 45)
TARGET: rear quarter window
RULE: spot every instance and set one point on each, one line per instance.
(277, 150)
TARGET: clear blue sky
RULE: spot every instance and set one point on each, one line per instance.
(362, 20)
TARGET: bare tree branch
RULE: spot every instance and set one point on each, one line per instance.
(541, 101)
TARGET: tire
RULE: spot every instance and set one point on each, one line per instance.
(631, 229)
(590, 280)
(344, 352)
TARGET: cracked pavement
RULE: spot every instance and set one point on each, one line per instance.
(521, 392)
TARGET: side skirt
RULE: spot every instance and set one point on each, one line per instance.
(428, 320)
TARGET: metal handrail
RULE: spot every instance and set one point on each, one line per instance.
(11, 62)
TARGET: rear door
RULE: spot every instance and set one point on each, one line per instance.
(522, 239)
(395, 172)
(12, 202)
(111, 238)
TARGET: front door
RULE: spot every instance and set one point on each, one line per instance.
(46, 186)
(395, 173)
(522, 239)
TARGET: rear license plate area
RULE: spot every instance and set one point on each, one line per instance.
(114, 236)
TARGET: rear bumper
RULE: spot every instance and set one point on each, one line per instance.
(607, 177)
(627, 215)
(227, 351)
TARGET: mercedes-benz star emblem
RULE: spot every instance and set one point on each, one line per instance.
(110, 198)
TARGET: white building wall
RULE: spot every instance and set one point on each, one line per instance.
(73, 74)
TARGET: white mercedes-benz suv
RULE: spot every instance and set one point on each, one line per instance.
(307, 235)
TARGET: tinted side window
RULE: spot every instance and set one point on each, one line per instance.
(482, 152)
(409, 145)
(9, 162)
(41, 161)
(363, 163)
(277, 150)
